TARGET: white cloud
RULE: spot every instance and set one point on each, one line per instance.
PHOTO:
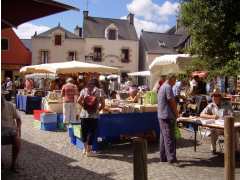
(151, 11)
(150, 16)
(27, 30)
(148, 26)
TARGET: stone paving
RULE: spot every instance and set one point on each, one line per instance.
(50, 156)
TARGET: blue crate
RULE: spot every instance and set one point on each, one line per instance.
(49, 126)
(60, 118)
(79, 143)
(48, 118)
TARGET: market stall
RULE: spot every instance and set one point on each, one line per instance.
(53, 101)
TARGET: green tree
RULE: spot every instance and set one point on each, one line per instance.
(214, 26)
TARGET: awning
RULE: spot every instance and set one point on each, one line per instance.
(16, 12)
(140, 73)
(69, 68)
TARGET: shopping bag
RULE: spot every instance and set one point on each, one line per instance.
(77, 131)
(177, 131)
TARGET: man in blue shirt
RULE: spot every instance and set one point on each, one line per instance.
(167, 114)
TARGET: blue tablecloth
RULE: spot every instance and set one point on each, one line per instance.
(28, 103)
(111, 126)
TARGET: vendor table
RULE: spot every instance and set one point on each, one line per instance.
(112, 126)
(28, 103)
(196, 122)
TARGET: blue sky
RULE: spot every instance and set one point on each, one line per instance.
(150, 15)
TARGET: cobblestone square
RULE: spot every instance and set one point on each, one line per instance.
(51, 156)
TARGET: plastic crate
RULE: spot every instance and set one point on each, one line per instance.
(60, 118)
(61, 126)
(48, 118)
(49, 126)
(37, 113)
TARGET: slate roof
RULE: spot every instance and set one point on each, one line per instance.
(27, 43)
(152, 39)
(94, 27)
(68, 34)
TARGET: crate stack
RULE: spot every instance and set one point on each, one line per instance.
(48, 121)
(36, 117)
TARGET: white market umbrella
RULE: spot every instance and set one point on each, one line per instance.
(140, 73)
(70, 67)
(166, 64)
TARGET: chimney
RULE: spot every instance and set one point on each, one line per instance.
(78, 31)
(130, 18)
(177, 23)
(85, 14)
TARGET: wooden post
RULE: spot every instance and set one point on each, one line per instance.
(140, 159)
(229, 148)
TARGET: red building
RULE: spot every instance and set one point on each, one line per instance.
(14, 54)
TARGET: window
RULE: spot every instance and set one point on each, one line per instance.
(112, 34)
(125, 55)
(97, 54)
(44, 56)
(72, 55)
(58, 40)
(4, 44)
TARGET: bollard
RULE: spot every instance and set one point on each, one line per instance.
(229, 148)
(140, 159)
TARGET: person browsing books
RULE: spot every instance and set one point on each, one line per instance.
(217, 109)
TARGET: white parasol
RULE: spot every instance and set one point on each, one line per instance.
(69, 67)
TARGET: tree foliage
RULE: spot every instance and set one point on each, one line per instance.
(214, 26)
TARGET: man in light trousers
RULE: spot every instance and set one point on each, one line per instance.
(69, 91)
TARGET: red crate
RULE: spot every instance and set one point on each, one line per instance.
(37, 113)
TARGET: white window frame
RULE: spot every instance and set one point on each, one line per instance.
(44, 58)
(111, 27)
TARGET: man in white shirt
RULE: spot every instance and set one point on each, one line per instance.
(216, 110)
(11, 129)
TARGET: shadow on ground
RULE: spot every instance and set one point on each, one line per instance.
(38, 163)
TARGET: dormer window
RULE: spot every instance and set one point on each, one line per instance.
(111, 32)
(161, 43)
(58, 40)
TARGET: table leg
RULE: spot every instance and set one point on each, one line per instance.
(195, 127)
